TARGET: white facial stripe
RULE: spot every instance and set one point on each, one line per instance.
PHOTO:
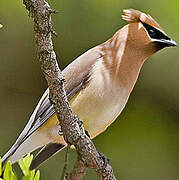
(140, 25)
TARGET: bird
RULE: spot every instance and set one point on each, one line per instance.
(98, 85)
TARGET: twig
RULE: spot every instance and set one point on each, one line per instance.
(78, 171)
(72, 127)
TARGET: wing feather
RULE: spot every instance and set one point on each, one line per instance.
(76, 75)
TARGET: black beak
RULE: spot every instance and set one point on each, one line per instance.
(170, 43)
(162, 43)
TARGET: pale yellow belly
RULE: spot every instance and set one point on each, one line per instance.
(96, 112)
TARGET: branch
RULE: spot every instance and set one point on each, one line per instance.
(72, 127)
(78, 171)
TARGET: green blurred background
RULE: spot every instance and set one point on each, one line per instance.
(142, 143)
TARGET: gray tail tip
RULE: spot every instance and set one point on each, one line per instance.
(5, 158)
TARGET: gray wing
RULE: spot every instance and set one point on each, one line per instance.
(46, 110)
(76, 76)
(41, 114)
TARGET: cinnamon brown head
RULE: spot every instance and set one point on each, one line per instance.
(145, 32)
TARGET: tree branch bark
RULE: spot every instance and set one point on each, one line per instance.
(71, 125)
(78, 171)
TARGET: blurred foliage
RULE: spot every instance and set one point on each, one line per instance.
(143, 142)
(24, 164)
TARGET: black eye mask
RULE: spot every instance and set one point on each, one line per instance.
(155, 33)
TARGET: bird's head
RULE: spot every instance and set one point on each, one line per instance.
(143, 32)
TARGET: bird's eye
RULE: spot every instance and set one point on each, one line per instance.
(152, 33)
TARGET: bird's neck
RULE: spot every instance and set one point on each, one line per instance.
(122, 61)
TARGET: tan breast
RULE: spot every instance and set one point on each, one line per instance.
(100, 103)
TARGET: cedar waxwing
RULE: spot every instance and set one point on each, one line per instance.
(98, 85)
